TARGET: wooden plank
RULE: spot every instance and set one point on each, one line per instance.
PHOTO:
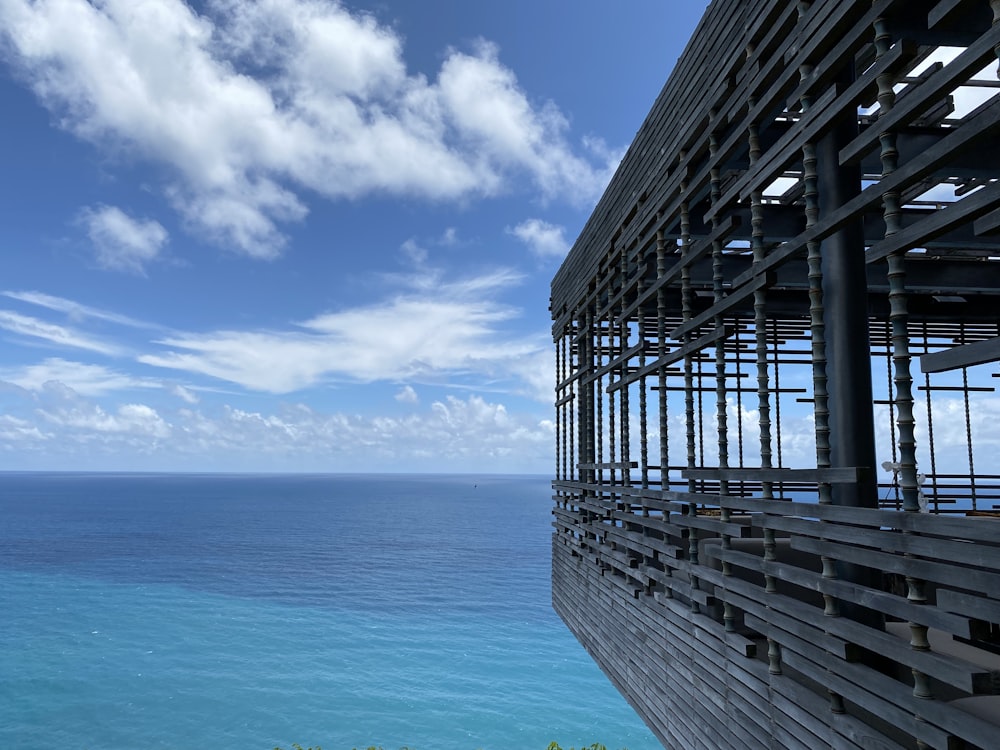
(986, 583)
(721, 308)
(565, 399)
(679, 353)
(954, 527)
(614, 364)
(615, 465)
(987, 225)
(966, 355)
(843, 475)
(948, 551)
(943, 11)
(881, 695)
(926, 163)
(968, 605)
(826, 108)
(939, 222)
(964, 66)
(698, 250)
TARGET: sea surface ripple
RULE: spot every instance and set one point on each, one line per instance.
(243, 612)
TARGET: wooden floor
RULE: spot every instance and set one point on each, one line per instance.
(777, 480)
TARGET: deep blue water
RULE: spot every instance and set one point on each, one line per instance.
(245, 612)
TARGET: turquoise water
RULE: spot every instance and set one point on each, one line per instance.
(247, 612)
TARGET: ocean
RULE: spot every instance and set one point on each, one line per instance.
(248, 612)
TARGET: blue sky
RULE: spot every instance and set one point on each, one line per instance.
(298, 235)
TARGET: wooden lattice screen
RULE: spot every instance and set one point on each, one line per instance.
(777, 436)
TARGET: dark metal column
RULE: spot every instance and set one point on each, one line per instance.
(845, 299)
(849, 377)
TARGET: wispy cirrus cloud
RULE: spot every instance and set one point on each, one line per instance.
(74, 310)
(249, 104)
(80, 377)
(433, 328)
(61, 336)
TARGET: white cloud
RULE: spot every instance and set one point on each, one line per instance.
(252, 103)
(19, 431)
(536, 372)
(407, 395)
(472, 431)
(543, 239)
(184, 394)
(76, 311)
(414, 252)
(84, 379)
(452, 434)
(25, 325)
(137, 419)
(495, 118)
(435, 328)
(121, 242)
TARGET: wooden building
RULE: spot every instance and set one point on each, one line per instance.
(776, 343)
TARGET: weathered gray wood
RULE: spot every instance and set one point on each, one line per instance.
(964, 211)
(985, 582)
(969, 62)
(968, 605)
(713, 611)
(987, 225)
(674, 356)
(833, 476)
(966, 355)
(951, 552)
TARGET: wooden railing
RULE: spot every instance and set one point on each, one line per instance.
(715, 605)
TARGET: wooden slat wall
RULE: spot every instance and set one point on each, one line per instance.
(709, 578)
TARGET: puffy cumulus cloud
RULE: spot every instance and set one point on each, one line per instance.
(471, 430)
(407, 395)
(543, 239)
(52, 333)
(434, 328)
(250, 103)
(121, 242)
(451, 434)
(132, 419)
(798, 446)
(948, 417)
(495, 118)
(798, 443)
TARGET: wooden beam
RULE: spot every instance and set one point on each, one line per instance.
(965, 355)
